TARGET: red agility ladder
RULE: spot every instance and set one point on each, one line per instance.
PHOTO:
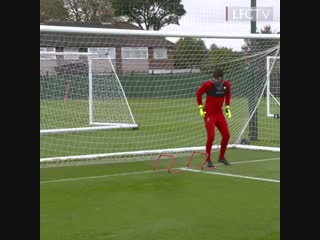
(191, 156)
(164, 155)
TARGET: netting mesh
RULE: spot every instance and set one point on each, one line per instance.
(159, 79)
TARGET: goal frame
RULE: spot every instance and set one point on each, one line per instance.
(269, 95)
(93, 124)
(123, 32)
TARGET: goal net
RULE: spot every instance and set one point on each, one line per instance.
(81, 92)
(150, 81)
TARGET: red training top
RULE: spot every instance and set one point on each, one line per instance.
(215, 96)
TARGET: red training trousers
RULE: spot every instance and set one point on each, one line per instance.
(216, 120)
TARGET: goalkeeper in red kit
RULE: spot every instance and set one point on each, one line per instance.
(217, 91)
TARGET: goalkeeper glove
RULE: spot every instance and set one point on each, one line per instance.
(201, 111)
(228, 112)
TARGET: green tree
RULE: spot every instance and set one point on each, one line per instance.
(52, 10)
(86, 10)
(252, 46)
(213, 46)
(224, 58)
(149, 14)
(190, 53)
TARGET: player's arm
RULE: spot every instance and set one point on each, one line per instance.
(228, 98)
(201, 90)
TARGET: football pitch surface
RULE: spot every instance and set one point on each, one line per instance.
(130, 200)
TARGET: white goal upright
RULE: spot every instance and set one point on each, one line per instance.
(111, 94)
(81, 92)
(273, 86)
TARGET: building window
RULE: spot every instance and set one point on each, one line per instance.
(71, 50)
(44, 50)
(160, 53)
(135, 53)
(103, 53)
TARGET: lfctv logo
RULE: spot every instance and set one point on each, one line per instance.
(249, 14)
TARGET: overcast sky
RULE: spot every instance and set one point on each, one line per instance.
(209, 16)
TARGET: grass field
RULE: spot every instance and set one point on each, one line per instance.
(124, 201)
(161, 126)
(128, 200)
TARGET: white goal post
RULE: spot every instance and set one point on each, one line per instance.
(150, 84)
(273, 86)
(93, 70)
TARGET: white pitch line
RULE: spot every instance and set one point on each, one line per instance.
(231, 175)
(252, 161)
(94, 177)
(150, 171)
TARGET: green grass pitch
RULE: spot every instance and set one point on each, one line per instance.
(124, 201)
(128, 200)
(151, 134)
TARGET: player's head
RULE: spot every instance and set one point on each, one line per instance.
(218, 76)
